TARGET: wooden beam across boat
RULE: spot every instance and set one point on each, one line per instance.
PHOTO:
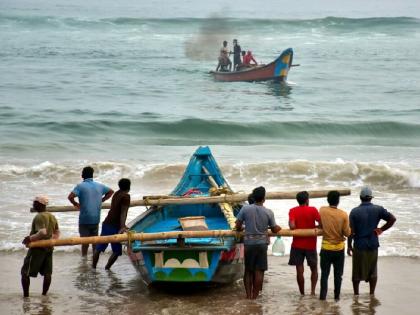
(130, 236)
(232, 198)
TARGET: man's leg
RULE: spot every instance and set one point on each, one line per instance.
(356, 287)
(338, 273)
(95, 258)
(372, 285)
(312, 259)
(25, 285)
(111, 261)
(300, 279)
(257, 283)
(314, 278)
(248, 280)
(325, 273)
(46, 284)
(85, 250)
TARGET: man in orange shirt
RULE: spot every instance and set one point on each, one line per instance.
(335, 225)
(304, 217)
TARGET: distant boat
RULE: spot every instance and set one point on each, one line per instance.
(201, 260)
(275, 71)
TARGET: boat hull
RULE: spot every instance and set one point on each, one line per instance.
(178, 265)
(275, 71)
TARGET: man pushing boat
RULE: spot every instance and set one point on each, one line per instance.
(257, 219)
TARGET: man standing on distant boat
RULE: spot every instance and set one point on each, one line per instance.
(304, 217)
(39, 260)
(91, 194)
(114, 223)
(257, 219)
(224, 60)
(335, 227)
(364, 221)
(236, 55)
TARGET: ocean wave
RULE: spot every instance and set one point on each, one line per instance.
(339, 23)
(297, 173)
(194, 131)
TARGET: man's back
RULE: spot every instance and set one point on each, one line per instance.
(257, 220)
(364, 220)
(120, 199)
(304, 217)
(44, 220)
(335, 224)
(90, 195)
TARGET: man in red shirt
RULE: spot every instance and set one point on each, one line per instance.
(248, 58)
(304, 217)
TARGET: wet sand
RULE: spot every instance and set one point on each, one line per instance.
(77, 289)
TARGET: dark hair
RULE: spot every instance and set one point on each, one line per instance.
(224, 42)
(251, 199)
(243, 52)
(302, 197)
(333, 198)
(124, 184)
(87, 172)
(38, 207)
(366, 199)
(258, 194)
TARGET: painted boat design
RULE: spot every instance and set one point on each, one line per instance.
(274, 71)
(200, 260)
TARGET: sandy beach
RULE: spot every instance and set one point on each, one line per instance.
(77, 289)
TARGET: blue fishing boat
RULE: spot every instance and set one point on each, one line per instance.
(200, 260)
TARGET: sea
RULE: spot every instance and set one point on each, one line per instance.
(124, 86)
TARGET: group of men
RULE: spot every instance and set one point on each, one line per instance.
(360, 228)
(90, 195)
(241, 59)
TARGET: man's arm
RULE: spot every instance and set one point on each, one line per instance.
(56, 232)
(350, 245)
(71, 197)
(292, 224)
(346, 227)
(318, 219)
(275, 228)
(350, 238)
(238, 225)
(123, 215)
(389, 223)
(35, 237)
(107, 195)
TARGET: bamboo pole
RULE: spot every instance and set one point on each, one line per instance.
(118, 238)
(174, 200)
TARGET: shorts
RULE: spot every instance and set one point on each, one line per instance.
(38, 260)
(298, 255)
(365, 265)
(256, 257)
(108, 229)
(86, 230)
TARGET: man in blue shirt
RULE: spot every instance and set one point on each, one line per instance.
(257, 219)
(91, 194)
(364, 221)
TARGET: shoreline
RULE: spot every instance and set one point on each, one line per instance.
(78, 289)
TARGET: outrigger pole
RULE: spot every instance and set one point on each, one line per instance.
(228, 198)
(144, 237)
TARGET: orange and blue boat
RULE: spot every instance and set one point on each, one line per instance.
(274, 71)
